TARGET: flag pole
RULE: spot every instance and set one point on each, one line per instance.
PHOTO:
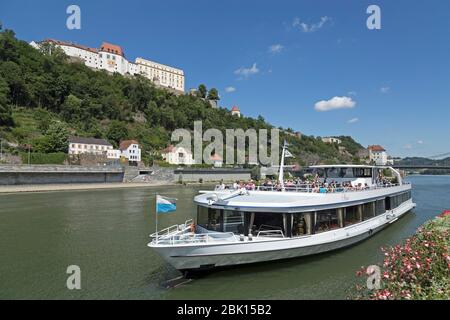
(156, 215)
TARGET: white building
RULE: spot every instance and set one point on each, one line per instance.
(177, 155)
(130, 150)
(235, 111)
(378, 155)
(78, 145)
(112, 58)
(331, 140)
(217, 161)
(113, 154)
(161, 74)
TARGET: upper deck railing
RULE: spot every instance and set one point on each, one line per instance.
(310, 188)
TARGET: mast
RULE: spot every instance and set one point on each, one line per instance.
(281, 173)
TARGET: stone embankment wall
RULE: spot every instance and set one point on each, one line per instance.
(53, 174)
(212, 175)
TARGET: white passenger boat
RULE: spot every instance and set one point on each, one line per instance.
(235, 227)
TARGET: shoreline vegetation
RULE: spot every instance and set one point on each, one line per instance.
(417, 269)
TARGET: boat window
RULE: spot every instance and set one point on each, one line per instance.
(380, 207)
(368, 210)
(326, 220)
(320, 172)
(362, 172)
(351, 215)
(332, 172)
(233, 221)
(339, 173)
(395, 201)
(209, 218)
(301, 224)
(265, 221)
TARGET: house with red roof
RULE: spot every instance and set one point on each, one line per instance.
(130, 150)
(177, 155)
(378, 155)
(216, 160)
(111, 57)
(235, 111)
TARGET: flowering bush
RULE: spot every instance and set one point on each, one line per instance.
(417, 269)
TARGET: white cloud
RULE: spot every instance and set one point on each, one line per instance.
(419, 141)
(353, 120)
(246, 72)
(335, 103)
(385, 89)
(407, 146)
(352, 93)
(230, 89)
(276, 48)
(304, 27)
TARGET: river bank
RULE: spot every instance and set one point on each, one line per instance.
(416, 269)
(79, 186)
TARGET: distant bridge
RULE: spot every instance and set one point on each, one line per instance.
(419, 167)
(443, 155)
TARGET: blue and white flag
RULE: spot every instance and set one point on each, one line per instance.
(164, 205)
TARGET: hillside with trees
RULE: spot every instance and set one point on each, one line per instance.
(45, 97)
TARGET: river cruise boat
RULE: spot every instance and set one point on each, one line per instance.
(342, 206)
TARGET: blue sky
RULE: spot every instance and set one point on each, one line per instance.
(282, 57)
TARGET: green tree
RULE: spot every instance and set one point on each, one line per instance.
(54, 140)
(6, 118)
(201, 92)
(213, 94)
(117, 131)
(71, 107)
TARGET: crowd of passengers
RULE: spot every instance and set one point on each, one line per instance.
(316, 185)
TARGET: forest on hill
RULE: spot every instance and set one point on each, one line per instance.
(45, 97)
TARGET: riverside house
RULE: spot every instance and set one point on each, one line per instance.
(131, 151)
(79, 145)
(177, 155)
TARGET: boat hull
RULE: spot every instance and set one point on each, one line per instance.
(201, 256)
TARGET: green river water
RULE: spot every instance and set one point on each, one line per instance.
(106, 233)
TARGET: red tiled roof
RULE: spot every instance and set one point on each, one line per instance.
(112, 48)
(70, 44)
(215, 157)
(126, 143)
(376, 147)
(168, 149)
(235, 108)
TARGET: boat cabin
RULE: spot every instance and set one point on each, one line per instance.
(217, 217)
(276, 224)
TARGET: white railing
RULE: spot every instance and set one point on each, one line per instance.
(308, 188)
(186, 238)
(172, 229)
(270, 233)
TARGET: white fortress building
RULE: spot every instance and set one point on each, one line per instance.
(112, 58)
